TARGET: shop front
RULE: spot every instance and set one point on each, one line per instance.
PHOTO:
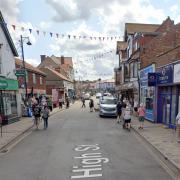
(8, 100)
(147, 93)
(167, 93)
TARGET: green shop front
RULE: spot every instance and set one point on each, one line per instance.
(8, 100)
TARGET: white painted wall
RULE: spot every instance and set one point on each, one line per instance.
(7, 57)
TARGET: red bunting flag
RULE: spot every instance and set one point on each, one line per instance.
(69, 36)
(51, 34)
(57, 35)
(30, 30)
(62, 35)
(14, 27)
(103, 38)
(22, 28)
(111, 38)
(37, 32)
(100, 38)
(84, 37)
(74, 37)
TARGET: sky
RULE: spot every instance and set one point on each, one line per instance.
(94, 58)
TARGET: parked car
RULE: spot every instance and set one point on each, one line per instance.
(98, 95)
(87, 96)
(107, 107)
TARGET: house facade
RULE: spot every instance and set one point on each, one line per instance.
(9, 96)
(60, 77)
(36, 80)
(156, 52)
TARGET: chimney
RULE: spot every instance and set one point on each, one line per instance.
(62, 59)
(43, 57)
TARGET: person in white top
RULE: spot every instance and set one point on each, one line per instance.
(178, 125)
(127, 115)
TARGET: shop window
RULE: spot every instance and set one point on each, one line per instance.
(131, 69)
(34, 78)
(135, 69)
(9, 105)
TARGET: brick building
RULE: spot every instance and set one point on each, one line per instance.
(60, 76)
(36, 80)
(157, 54)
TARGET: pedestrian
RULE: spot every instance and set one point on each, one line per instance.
(119, 111)
(127, 113)
(178, 125)
(37, 114)
(135, 107)
(45, 116)
(60, 103)
(83, 103)
(141, 114)
(67, 102)
(91, 105)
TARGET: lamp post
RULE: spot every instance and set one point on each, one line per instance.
(24, 67)
(99, 83)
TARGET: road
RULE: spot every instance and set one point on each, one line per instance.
(80, 145)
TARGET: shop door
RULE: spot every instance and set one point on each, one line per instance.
(166, 107)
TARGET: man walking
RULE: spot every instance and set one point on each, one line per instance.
(83, 103)
(119, 111)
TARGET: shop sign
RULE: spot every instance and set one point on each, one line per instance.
(3, 84)
(8, 84)
(20, 72)
(165, 75)
(152, 79)
(177, 73)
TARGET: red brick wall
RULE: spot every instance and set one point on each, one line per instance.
(167, 40)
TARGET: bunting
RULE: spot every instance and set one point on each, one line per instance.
(59, 35)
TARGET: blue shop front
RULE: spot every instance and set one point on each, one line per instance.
(168, 94)
(147, 93)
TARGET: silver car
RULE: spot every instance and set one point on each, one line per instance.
(107, 107)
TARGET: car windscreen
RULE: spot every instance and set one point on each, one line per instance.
(109, 101)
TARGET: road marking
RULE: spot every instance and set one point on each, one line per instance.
(91, 162)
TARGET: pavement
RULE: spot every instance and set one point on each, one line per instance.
(13, 131)
(163, 139)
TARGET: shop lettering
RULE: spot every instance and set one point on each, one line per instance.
(163, 78)
(91, 162)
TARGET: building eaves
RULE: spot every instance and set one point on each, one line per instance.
(7, 34)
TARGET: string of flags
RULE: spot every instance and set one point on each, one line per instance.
(95, 57)
(60, 35)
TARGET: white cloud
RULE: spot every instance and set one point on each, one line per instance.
(33, 62)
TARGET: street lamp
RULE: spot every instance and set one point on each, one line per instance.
(99, 83)
(24, 67)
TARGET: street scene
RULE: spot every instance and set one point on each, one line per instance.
(89, 90)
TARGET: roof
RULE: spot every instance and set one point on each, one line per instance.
(7, 34)
(54, 72)
(121, 45)
(29, 67)
(131, 28)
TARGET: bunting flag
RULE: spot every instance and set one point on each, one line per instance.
(30, 30)
(14, 27)
(58, 35)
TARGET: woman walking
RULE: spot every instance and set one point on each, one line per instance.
(91, 105)
(141, 113)
(45, 116)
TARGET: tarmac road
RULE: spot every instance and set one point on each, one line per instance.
(80, 145)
